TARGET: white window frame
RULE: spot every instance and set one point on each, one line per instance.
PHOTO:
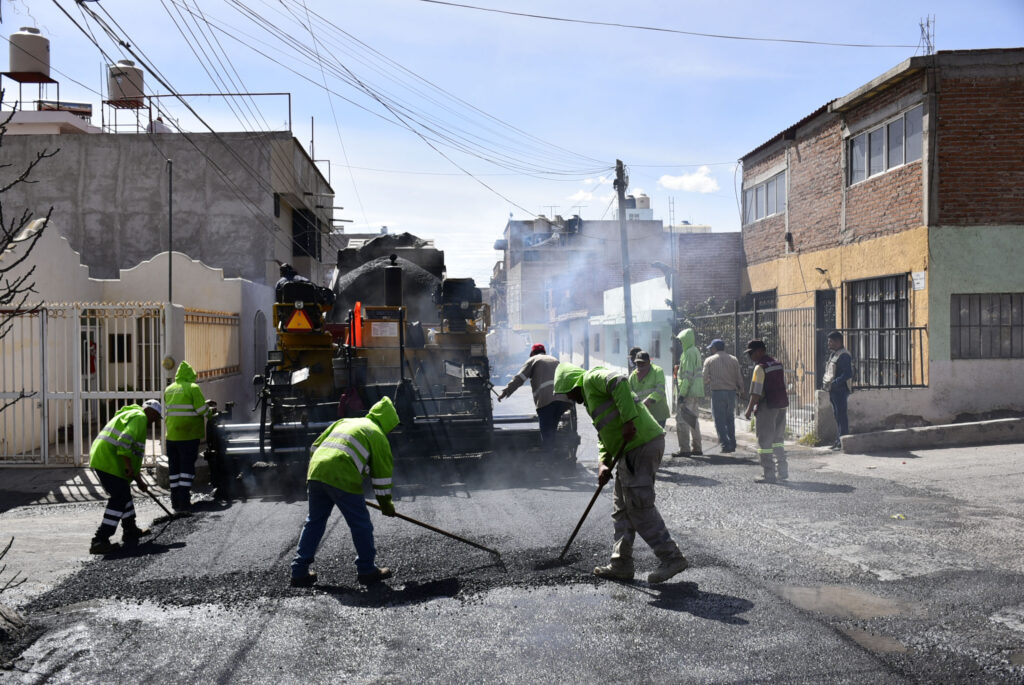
(750, 203)
(883, 128)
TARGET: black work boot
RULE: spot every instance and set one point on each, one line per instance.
(130, 530)
(374, 576)
(307, 580)
(101, 545)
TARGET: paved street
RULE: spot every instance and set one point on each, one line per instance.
(903, 568)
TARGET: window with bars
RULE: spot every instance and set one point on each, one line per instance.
(878, 336)
(986, 326)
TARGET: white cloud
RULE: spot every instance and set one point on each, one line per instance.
(580, 196)
(700, 181)
(599, 180)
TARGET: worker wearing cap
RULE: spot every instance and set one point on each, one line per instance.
(288, 275)
(768, 401)
(345, 453)
(723, 378)
(690, 382)
(539, 369)
(626, 431)
(186, 425)
(648, 383)
(116, 457)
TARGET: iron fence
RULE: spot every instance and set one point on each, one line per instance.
(887, 357)
(789, 336)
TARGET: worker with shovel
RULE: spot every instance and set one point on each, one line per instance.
(116, 457)
(630, 438)
(345, 453)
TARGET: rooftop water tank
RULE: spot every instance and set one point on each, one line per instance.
(643, 201)
(30, 52)
(124, 82)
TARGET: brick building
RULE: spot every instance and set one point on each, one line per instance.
(554, 273)
(894, 212)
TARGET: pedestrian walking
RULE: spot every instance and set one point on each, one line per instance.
(768, 402)
(344, 454)
(648, 383)
(625, 428)
(723, 378)
(539, 369)
(187, 410)
(838, 381)
(116, 457)
(690, 382)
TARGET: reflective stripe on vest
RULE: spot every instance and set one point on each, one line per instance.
(360, 459)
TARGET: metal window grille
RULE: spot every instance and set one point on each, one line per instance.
(887, 352)
(986, 326)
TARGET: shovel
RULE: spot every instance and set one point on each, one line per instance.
(171, 515)
(593, 499)
(438, 530)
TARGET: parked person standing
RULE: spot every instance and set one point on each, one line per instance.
(648, 384)
(186, 425)
(116, 457)
(626, 428)
(838, 381)
(539, 369)
(343, 454)
(768, 401)
(723, 378)
(690, 382)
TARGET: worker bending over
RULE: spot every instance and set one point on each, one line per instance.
(626, 428)
(345, 453)
(116, 457)
(540, 370)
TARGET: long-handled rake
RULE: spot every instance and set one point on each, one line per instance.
(438, 530)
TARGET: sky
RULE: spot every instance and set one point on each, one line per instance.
(444, 121)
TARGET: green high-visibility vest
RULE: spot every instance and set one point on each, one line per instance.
(123, 438)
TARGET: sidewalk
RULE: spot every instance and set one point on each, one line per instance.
(746, 441)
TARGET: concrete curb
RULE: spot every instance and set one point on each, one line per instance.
(949, 435)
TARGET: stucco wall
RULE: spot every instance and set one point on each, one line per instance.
(109, 194)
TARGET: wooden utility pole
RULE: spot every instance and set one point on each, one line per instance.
(621, 182)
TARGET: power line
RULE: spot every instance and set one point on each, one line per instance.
(661, 29)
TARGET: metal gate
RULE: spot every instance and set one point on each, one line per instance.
(789, 335)
(68, 369)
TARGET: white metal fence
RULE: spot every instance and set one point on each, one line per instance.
(76, 365)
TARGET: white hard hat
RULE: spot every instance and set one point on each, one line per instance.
(154, 405)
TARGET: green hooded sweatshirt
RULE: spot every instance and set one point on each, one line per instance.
(610, 403)
(352, 448)
(691, 368)
(184, 406)
(122, 439)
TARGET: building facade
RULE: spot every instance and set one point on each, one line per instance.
(893, 212)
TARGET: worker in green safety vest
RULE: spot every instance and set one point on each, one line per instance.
(648, 383)
(186, 426)
(345, 453)
(116, 457)
(626, 431)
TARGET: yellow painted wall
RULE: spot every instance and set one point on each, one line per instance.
(795, 277)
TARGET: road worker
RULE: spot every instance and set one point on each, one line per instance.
(768, 401)
(345, 453)
(187, 410)
(648, 383)
(690, 382)
(540, 370)
(116, 457)
(627, 431)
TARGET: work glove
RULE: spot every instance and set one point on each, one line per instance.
(604, 474)
(387, 507)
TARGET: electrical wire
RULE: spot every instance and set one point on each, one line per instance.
(660, 29)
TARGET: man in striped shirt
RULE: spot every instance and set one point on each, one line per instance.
(539, 369)
(345, 453)
(116, 457)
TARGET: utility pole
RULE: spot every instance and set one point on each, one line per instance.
(621, 182)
